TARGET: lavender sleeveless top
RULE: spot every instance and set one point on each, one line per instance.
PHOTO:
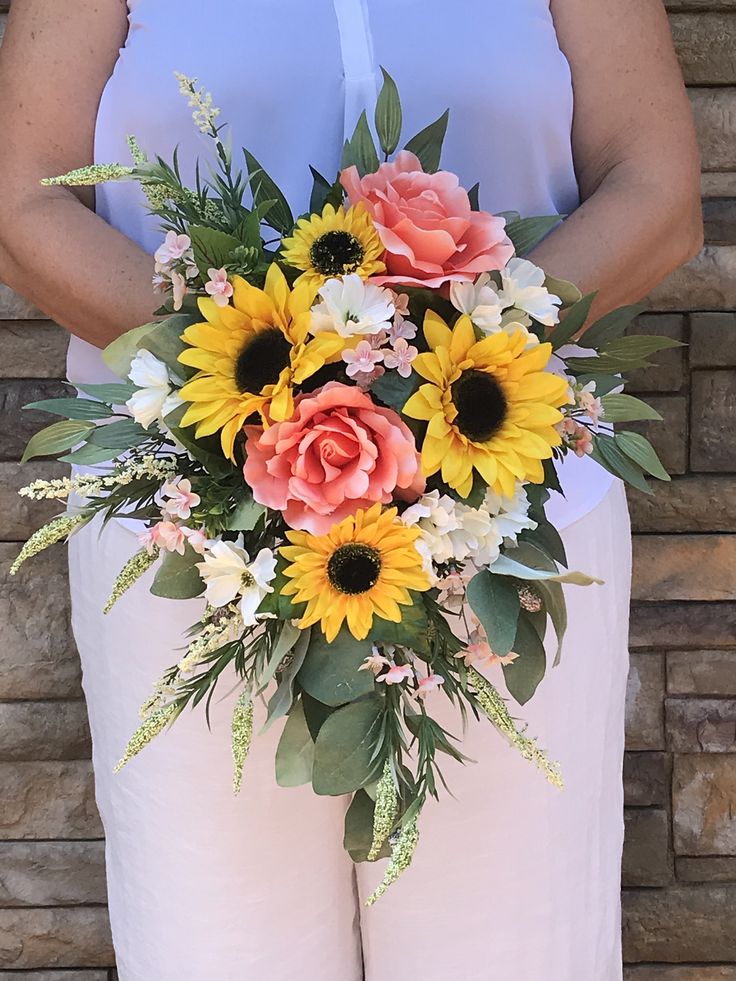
(291, 78)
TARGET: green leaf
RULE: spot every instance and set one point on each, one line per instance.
(345, 751)
(264, 188)
(56, 438)
(122, 435)
(315, 713)
(284, 645)
(119, 354)
(641, 451)
(410, 632)
(358, 837)
(207, 450)
(212, 248)
(554, 602)
(388, 115)
(295, 752)
(246, 515)
(323, 193)
(626, 408)
(427, 145)
(611, 327)
(331, 672)
(361, 150)
(638, 346)
(283, 698)
(474, 197)
(573, 322)
(603, 383)
(505, 566)
(88, 455)
(524, 675)
(613, 459)
(394, 390)
(547, 538)
(567, 291)
(495, 601)
(178, 577)
(528, 232)
(73, 408)
(113, 394)
(165, 343)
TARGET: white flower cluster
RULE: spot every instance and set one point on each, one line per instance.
(230, 575)
(522, 296)
(453, 530)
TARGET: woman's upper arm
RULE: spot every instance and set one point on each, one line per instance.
(54, 63)
(630, 101)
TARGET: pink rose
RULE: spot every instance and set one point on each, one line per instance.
(431, 234)
(339, 452)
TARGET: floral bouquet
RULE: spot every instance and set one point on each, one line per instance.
(341, 432)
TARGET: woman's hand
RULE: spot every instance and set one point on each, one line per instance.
(635, 153)
(54, 63)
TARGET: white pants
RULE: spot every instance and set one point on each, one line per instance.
(513, 880)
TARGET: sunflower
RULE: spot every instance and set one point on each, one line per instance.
(366, 565)
(334, 243)
(489, 404)
(250, 356)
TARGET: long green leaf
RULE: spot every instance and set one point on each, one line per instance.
(427, 145)
(345, 750)
(610, 456)
(495, 601)
(212, 248)
(626, 408)
(264, 188)
(57, 438)
(573, 322)
(88, 455)
(122, 435)
(361, 150)
(554, 602)
(611, 327)
(641, 451)
(529, 232)
(295, 751)
(72, 408)
(388, 115)
(112, 394)
(504, 566)
(524, 675)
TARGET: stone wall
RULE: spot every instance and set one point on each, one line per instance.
(680, 862)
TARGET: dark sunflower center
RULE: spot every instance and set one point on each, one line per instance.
(262, 360)
(336, 253)
(481, 405)
(354, 568)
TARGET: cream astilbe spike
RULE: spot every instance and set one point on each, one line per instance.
(147, 731)
(131, 572)
(495, 709)
(242, 735)
(401, 855)
(386, 811)
(90, 175)
(205, 112)
(51, 533)
(139, 156)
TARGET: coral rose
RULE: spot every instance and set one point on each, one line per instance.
(431, 234)
(339, 452)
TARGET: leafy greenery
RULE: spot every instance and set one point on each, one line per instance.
(345, 750)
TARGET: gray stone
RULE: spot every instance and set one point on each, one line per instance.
(55, 976)
(701, 725)
(646, 779)
(711, 868)
(52, 873)
(44, 731)
(32, 349)
(20, 424)
(719, 221)
(14, 307)
(701, 672)
(684, 567)
(669, 437)
(691, 503)
(706, 46)
(718, 185)
(20, 517)
(645, 691)
(712, 447)
(707, 282)
(704, 805)
(668, 374)
(48, 800)
(683, 625)
(76, 937)
(646, 859)
(680, 925)
(715, 122)
(713, 340)
(658, 972)
(37, 654)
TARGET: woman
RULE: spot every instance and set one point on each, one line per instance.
(512, 880)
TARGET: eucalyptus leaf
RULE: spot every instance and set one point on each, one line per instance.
(529, 232)
(524, 675)
(246, 515)
(295, 751)
(505, 566)
(345, 750)
(331, 672)
(427, 145)
(495, 601)
(358, 837)
(388, 115)
(178, 576)
(411, 631)
(73, 408)
(264, 188)
(626, 408)
(165, 343)
(556, 606)
(394, 390)
(641, 451)
(56, 438)
(283, 698)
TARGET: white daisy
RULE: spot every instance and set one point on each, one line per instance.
(350, 306)
(523, 289)
(480, 301)
(228, 573)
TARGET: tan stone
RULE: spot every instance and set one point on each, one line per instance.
(721, 868)
(701, 672)
(55, 976)
(701, 725)
(704, 805)
(715, 120)
(52, 873)
(693, 502)
(32, 349)
(646, 859)
(37, 654)
(44, 731)
(20, 424)
(718, 185)
(48, 800)
(661, 973)
(14, 307)
(32, 938)
(644, 716)
(20, 517)
(712, 447)
(691, 923)
(707, 282)
(669, 438)
(646, 779)
(683, 625)
(688, 567)
(706, 46)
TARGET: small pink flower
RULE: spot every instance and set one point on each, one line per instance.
(402, 328)
(181, 498)
(401, 357)
(167, 536)
(591, 406)
(362, 360)
(584, 442)
(365, 381)
(397, 674)
(218, 286)
(180, 289)
(429, 684)
(148, 540)
(160, 283)
(375, 663)
(197, 539)
(173, 247)
(401, 304)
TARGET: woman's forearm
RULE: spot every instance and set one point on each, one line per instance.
(83, 273)
(623, 240)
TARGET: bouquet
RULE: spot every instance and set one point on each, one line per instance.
(341, 431)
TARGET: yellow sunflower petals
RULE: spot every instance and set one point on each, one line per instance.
(424, 403)
(436, 331)
(463, 338)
